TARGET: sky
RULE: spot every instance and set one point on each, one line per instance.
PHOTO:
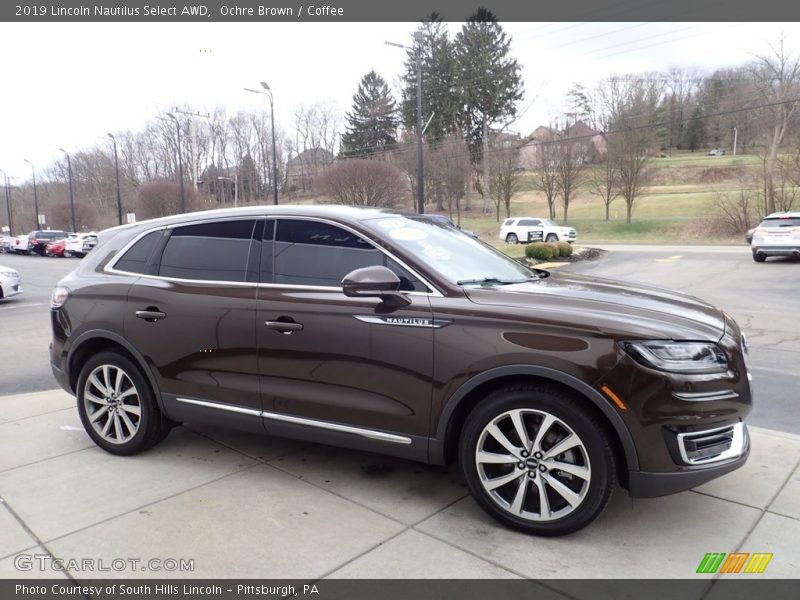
(65, 85)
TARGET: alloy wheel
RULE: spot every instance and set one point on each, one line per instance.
(533, 465)
(112, 403)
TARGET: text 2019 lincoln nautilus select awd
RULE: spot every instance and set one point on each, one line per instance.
(395, 333)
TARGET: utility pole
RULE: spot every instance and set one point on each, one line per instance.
(116, 167)
(8, 203)
(35, 197)
(268, 92)
(487, 190)
(180, 161)
(735, 136)
(71, 195)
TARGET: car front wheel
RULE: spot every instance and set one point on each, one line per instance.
(117, 406)
(759, 257)
(551, 237)
(536, 461)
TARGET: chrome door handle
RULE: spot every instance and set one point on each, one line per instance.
(151, 316)
(284, 327)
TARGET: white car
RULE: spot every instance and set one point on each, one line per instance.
(777, 235)
(80, 244)
(525, 229)
(10, 284)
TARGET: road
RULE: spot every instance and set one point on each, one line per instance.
(763, 298)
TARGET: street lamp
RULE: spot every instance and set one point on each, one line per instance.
(418, 36)
(8, 203)
(35, 198)
(180, 160)
(116, 166)
(71, 195)
(235, 181)
(268, 92)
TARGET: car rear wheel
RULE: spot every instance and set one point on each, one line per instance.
(512, 238)
(759, 257)
(536, 461)
(67, 254)
(117, 406)
(551, 237)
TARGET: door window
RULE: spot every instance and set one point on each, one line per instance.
(216, 251)
(320, 254)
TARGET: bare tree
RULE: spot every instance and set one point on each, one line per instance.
(604, 181)
(633, 149)
(778, 78)
(360, 182)
(545, 177)
(571, 155)
(504, 175)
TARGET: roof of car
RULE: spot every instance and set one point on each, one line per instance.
(778, 215)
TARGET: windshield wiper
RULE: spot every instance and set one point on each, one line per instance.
(494, 281)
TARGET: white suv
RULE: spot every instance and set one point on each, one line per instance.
(777, 235)
(514, 231)
(80, 244)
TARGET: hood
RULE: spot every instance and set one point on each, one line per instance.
(7, 270)
(620, 309)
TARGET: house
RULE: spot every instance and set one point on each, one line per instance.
(303, 169)
(529, 154)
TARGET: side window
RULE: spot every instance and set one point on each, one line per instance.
(508, 222)
(136, 258)
(528, 222)
(315, 253)
(215, 251)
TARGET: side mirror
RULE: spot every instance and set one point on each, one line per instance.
(375, 282)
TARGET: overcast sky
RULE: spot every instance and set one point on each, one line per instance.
(67, 85)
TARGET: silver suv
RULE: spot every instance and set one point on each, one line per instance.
(777, 235)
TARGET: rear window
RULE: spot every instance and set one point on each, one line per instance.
(781, 222)
(136, 258)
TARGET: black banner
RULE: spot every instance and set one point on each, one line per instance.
(403, 11)
(378, 589)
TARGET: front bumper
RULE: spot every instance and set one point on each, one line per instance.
(642, 484)
(11, 287)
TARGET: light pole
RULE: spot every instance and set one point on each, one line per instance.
(116, 167)
(71, 195)
(235, 181)
(8, 203)
(268, 92)
(180, 160)
(35, 198)
(418, 36)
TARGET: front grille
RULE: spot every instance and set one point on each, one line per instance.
(712, 445)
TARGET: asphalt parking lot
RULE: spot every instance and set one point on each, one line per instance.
(247, 506)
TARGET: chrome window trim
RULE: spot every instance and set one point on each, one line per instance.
(360, 431)
(738, 444)
(109, 268)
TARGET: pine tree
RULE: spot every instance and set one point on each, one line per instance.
(372, 122)
(438, 80)
(487, 77)
(695, 131)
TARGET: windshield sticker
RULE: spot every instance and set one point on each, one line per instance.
(435, 252)
(392, 223)
(407, 234)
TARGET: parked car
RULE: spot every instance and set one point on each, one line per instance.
(382, 331)
(6, 244)
(19, 244)
(10, 283)
(748, 236)
(716, 152)
(55, 248)
(446, 221)
(38, 240)
(777, 235)
(514, 231)
(80, 244)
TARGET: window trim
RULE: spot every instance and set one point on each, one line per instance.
(110, 267)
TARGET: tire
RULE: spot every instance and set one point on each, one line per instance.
(759, 257)
(512, 238)
(518, 505)
(67, 254)
(551, 237)
(122, 432)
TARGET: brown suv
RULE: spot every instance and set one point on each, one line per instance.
(398, 334)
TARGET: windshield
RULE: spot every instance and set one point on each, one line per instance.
(781, 222)
(457, 257)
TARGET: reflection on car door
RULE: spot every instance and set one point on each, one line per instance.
(339, 361)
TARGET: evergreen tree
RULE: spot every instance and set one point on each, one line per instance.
(695, 131)
(372, 122)
(487, 77)
(438, 80)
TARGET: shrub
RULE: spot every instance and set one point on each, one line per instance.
(553, 249)
(564, 248)
(540, 251)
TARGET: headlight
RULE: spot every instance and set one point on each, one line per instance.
(58, 297)
(679, 357)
